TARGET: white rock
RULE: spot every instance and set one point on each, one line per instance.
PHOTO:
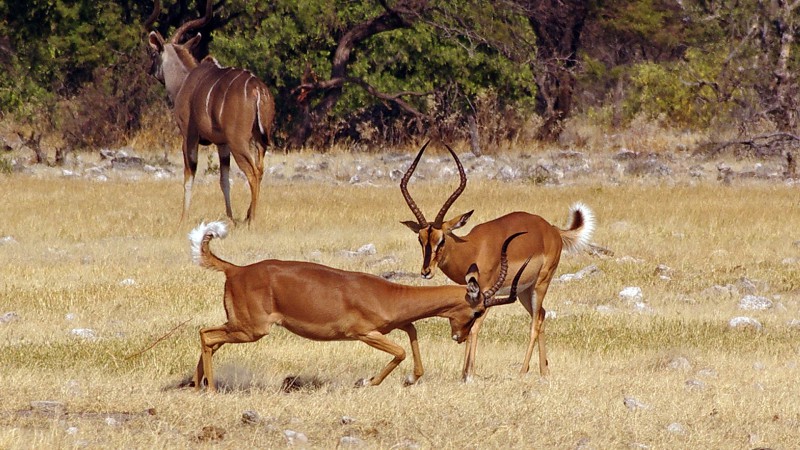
(7, 240)
(633, 404)
(72, 431)
(9, 317)
(112, 422)
(745, 322)
(350, 441)
(604, 309)
(70, 316)
(84, 333)
(676, 428)
(127, 282)
(631, 294)
(295, 437)
(754, 303)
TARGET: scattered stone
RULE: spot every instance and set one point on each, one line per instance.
(586, 271)
(742, 322)
(9, 317)
(663, 271)
(70, 316)
(7, 240)
(759, 366)
(728, 290)
(754, 303)
(631, 294)
(794, 324)
(211, 433)
(676, 428)
(406, 443)
(347, 420)
(127, 282)
(72, 431)
(84, 333)
(250, 417)
(364, 250)
(350, 441)
(112, 422)
(747, 286)
(629, 259)
(634, 404)
(695, 385)
(294, 437)
(679, 363)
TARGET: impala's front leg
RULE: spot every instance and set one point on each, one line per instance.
(472, 348)
(378, 340)
(415, 354)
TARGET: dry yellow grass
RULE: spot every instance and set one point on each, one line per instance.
(111, 255)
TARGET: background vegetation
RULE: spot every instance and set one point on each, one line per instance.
(466, 69)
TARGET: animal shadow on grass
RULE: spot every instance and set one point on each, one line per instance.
(229, 379)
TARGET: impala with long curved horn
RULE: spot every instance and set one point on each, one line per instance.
(326, 304)
(218, 105)
(453, 254)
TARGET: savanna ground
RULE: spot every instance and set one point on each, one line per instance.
(667, 373)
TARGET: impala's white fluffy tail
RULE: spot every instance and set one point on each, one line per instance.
(199, 239)
(579, 228)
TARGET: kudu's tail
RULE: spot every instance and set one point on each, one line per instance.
(200, 238)
(579, 228)
(265, 115)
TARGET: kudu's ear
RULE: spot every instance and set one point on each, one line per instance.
(192, 43)
(414, 226)
(458, 222)
(156, 41)
(473, 289)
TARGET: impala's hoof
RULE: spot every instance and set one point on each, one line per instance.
(410, 380)
(363, 382)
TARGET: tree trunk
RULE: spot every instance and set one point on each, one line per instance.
(557, 25)
(400, 16)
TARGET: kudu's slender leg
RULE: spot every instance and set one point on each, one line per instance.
(224, 177)
(253, 172)
(190, 143)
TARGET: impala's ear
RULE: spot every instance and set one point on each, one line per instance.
(156, 41)
(473, 289)
(458, 222)
(192, 43)
(414, 226)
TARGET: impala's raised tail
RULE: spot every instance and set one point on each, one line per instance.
(579, 228)
(200, 238)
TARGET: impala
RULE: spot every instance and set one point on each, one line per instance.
(214, 105)
(543, 243)
(326, 304)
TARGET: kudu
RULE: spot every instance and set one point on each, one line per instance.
(453, 254)
(326, 304)
(218, 105)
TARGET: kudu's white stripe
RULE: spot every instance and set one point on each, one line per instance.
(225, 95)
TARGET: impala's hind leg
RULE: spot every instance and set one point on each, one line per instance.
(533, 300)
(472, 348)
(211, 339)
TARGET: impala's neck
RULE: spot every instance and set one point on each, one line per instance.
(418, 302)
(176, 64)
(458, 254)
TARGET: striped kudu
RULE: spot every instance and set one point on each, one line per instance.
(218, 105)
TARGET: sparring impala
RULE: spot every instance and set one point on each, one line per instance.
(213, 105)
(326, 304)
(543, 243)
